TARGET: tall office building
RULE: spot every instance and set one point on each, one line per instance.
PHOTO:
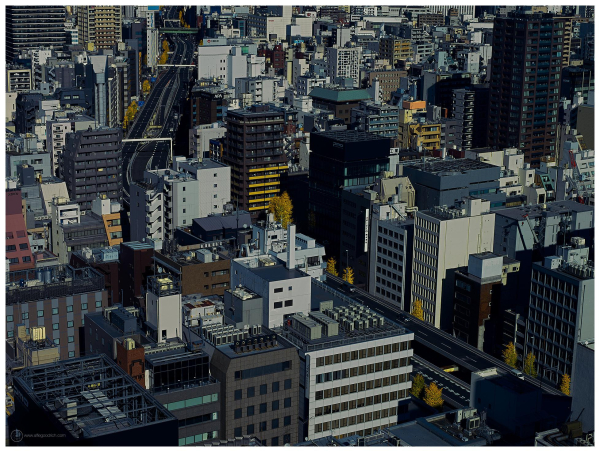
(561, 309)
(34, 27)
(444, 238)
(525, 84)
(254, 151)
(99, 25)
(344, 62)
(338, 161)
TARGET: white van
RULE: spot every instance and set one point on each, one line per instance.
(517, 373)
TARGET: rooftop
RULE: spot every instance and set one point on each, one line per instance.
(91, 396)
(350, 136)
(452, 167)
(339, 95)
(223, 221)
(537, 210)
(25, 286)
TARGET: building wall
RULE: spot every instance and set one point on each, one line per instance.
(582, 385)
(224, 369)
(350, 393)
(66, 326)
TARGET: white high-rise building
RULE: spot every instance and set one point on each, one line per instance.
(344, 62)
(443, 240)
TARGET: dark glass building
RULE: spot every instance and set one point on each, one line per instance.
(340, 159)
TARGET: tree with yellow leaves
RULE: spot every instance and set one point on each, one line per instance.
(565, 384)
(130, 113)
(146, 86)
(433, 396)
(510, 355)
(529, 365)
(165, 45)
(417, 310)
(418, 386)
(331, 266)
(348, 275)
(281, 207)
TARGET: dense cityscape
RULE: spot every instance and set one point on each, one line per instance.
(299, 226)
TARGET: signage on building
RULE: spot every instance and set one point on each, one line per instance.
(366, 230)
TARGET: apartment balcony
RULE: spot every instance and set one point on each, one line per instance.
(154, 216)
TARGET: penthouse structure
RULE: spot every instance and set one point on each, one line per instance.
(355, 370)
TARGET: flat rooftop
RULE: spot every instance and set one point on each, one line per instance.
(105, 399)
(537, 210)
(350, 136)
(452, 167)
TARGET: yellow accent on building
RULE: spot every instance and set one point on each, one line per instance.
(108, 218)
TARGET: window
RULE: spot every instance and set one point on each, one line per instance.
(183, 188)
(183, 210)
(278, 290)
(9, 318)
(70, 308)
(263, 389)
(23, 246)
(287, 402)
(71, 339)
(70, 324)
(183, 199)
(55, 326)
(250, 411)
(98, 304)
(289, 303)
(263, 408)
(287, 384)
(10, 334)
(275, 441)
(262, 427)
(71, 354)
(54, 311)
(250, 429)
(287, 420)
(275, 386)
(275, 424)
(237, 414)
(57, 341)
(237, 394)
(250, 392)
(26, 258)
(83, 306)
(275, 405)
(278, 304)
(41, 313)
(237, 431)
(286, 439)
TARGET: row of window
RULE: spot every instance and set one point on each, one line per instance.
(263, 370)
(354, 420)
(250, 391)
(198, 438)
(360, 403)
(188, 403)
(359, 387)
(264, 426)
(55, 311)
(262, 408)
(22, 246)
(364, 353)
(15, 260)
(198, 419)
(362, 370)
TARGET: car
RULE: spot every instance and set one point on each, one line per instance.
(352, 289)
(517, 373)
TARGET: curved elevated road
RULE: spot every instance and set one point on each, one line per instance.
(168, 91)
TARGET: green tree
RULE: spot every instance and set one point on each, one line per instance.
(418, 386)
(281, 207)
(529, 365)
(510, 355)
(417, 310)
(433, 396)
(332, 266)
(348, 275)
(565, 384)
